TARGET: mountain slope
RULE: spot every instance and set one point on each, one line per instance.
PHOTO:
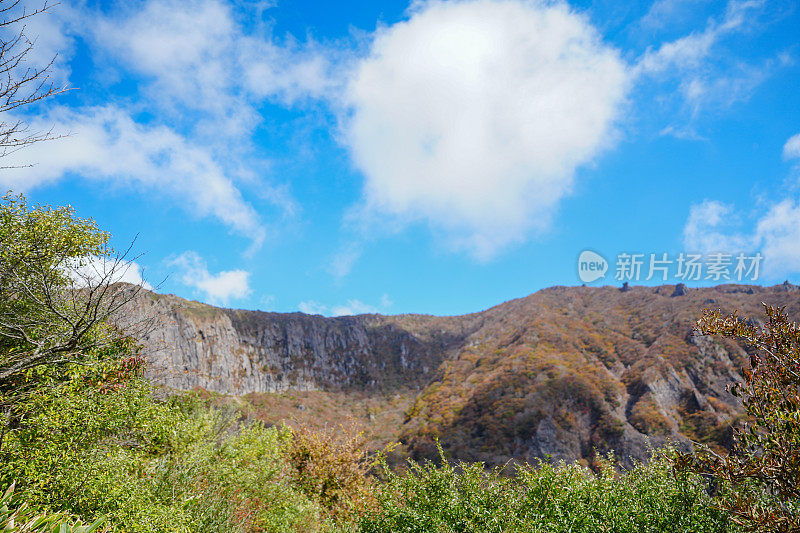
(556, 374)
(569, 370)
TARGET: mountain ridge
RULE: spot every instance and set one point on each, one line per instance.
(556, 374)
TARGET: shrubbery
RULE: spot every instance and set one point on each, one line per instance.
(465, 497)
(763, 466)
(15, 517)
(163, 466)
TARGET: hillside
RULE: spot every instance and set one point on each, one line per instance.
(555, 374)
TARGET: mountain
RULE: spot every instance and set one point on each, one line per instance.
(556, 375)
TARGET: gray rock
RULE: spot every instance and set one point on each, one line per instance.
(680, 290)
(237, 352)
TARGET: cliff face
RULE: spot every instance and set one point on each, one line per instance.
(557, 374)
(238, 352)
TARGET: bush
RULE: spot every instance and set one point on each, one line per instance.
(758, 482)
(158, 466)
(16, 518)
(332, 467)
(545, 498)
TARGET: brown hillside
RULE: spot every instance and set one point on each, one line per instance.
(569, 370)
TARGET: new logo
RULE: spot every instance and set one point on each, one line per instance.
(591, 266)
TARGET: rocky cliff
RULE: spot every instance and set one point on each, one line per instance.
(195, 345)
(557, 374)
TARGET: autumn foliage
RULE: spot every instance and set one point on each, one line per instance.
(758, 482)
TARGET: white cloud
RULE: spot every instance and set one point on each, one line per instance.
(183, 51)
(195, 55)
(791, 150)
(52, 37)
(108, 145)
(94, 269)
(218, 288)
(199, 77)
(690, 51)
(344, 260)
(776, 234)
(779, 233)
(711, 227)
(664, 12)
(474, 115)
(352, 307)
(290, 74)
(311, 307)
(704, 75)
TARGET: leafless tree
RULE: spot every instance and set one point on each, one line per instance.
(21, 84)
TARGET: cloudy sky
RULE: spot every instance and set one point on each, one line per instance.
(433, 156)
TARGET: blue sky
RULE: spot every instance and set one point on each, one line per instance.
(435, 157)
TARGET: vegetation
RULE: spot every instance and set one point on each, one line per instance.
(85, 437)
(763, 465)
(17, 519)
(605, 369)
(545, 498)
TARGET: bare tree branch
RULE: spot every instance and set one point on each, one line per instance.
(20, 83)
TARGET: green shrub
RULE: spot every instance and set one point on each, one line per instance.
(544, 498)
(156, 466)
(16, 518)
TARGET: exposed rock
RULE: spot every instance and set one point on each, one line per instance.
(238, 352)
(787, 287)
(551, 442)
(680, 290)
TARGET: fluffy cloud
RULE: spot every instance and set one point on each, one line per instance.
(779, 233)
(711, 228)
(199, 78)
(193, 54)
(218, 288)
(691, 51)
(107, 144)
(791, 150)
(474, 115)
(52, 37)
